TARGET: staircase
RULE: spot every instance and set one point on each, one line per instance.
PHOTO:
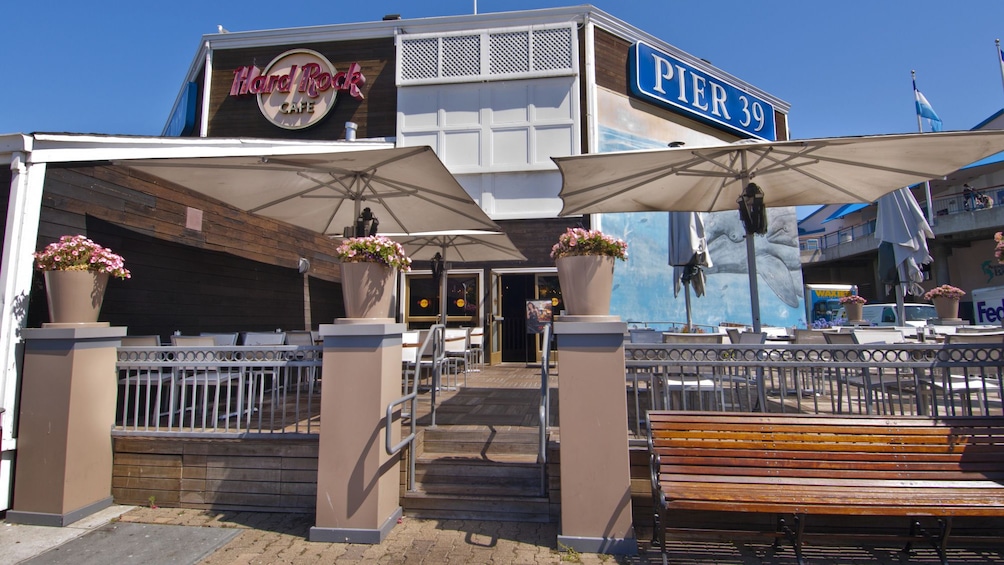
(478, 473)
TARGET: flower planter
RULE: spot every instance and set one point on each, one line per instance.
(368, 290)
(853, 310)
(947, 308)
(75, 297)
(587, 282)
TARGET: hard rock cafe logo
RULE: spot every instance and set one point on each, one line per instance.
(298, 88)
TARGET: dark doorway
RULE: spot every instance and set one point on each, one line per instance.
(517, 345)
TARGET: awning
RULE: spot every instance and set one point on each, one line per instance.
(845, 210)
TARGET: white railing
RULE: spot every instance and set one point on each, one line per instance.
(237, 390)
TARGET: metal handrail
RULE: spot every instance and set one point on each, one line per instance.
(435, 338)
(544, 409)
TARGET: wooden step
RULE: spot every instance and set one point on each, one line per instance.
(479, 440)
(497, 508)
(478, 477)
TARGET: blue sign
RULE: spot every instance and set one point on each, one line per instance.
(671, 83)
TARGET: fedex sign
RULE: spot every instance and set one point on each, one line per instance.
(667, 81)
(988, 305)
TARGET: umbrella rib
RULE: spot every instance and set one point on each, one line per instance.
(346, 193)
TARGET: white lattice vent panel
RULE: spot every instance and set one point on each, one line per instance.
(487, 55)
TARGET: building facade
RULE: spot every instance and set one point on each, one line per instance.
(496, 96)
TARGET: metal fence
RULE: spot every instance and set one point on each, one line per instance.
(238, 389)
(894, 379)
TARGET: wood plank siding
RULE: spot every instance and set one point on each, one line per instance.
(237, 273)
(239, 474)
(376, 114)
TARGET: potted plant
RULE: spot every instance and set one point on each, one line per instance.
(585, 261)
(946, 300)
(76, 274)
(852, 304)
(369, 269)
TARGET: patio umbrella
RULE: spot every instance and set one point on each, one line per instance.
(902, 232)
(407, 189)
(464, 246)
(688, 254)
(838, 170)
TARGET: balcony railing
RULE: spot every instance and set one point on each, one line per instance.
(944, 206)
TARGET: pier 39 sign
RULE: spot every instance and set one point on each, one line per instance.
(671, 83)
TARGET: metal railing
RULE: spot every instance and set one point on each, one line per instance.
(909, 378)
(430, 356)
(544, 408)
(219, 390)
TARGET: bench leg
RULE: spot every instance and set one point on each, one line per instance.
(939, 541)
(794, 535)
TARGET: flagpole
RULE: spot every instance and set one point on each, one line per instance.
(1000, 59)
(920, 128)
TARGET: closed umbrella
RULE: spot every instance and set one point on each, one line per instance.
(902, 232)
(688, 254)
(763, 174)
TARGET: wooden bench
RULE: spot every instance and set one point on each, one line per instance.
(794, 465)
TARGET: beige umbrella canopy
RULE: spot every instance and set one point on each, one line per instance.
(407, 189)
(837, 170)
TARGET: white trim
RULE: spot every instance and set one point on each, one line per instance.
(20, 235)
(207, 81)
(524, 270)
(592, 119)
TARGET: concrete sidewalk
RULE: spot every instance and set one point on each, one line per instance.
(273, 538)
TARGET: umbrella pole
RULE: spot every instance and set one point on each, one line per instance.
(900, 307)
(686, 294)
(751, 258)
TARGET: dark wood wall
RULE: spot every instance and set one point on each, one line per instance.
(238, 273)
(376, 114)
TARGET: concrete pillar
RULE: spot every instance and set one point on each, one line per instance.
(67, 410)
(595, 470)
(358, 484)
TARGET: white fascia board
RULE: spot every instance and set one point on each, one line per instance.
(9, 143)
(59, 148)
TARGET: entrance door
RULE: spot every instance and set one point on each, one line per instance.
(510, 292)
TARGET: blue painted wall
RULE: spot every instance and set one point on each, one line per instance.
(643, 285)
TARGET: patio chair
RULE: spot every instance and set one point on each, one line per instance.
(477, 348)
(683, 380)
(202, 378)
(264, 338)
(967, 386)
(457, 348)
(226, 339)
(155, 403)
(299, 337)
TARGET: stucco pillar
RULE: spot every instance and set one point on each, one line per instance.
(358, 483)
(63, 467)
(595, 470)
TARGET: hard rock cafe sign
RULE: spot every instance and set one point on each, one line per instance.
(298, 87)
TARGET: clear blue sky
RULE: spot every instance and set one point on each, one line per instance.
(106, 66)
